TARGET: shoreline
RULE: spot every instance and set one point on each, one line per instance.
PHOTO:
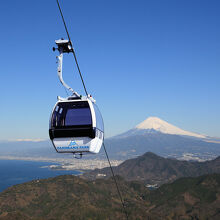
(67, 164)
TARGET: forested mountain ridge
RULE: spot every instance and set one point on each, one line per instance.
(153, 169)
(69, 197)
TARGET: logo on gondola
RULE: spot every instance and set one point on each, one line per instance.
(73, 146)
(73, 143)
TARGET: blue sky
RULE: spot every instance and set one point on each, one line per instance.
(138, 58)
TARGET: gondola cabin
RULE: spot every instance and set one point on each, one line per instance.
(76, 126)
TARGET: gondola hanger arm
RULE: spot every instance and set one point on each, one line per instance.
(63, 47)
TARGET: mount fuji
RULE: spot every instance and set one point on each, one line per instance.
(154, 124)
(164, 139)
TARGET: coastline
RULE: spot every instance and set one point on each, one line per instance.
(68, 164)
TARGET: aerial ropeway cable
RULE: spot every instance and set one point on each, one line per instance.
(76, 124)
(71, 48)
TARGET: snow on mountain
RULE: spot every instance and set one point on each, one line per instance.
(158, 136)
(154, 123)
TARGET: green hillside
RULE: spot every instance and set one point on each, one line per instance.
(68, 197)
(187, 198)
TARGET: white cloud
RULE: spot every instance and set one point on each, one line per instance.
(28, 139)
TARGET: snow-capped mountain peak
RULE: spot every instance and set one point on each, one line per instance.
(164, 127)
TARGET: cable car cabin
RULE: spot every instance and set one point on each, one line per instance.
(76, 126)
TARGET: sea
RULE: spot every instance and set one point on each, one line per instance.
(14, 172)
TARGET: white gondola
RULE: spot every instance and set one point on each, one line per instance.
(76, 124)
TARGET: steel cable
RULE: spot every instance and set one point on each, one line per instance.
(74, 54)
(116, 184)
(77, 64)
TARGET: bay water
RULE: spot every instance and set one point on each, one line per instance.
(17, 171)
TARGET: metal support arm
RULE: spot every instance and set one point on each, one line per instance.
(63, 47)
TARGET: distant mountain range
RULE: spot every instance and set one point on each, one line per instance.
(164, 139)
(153, 134)
(68, 197)
(153, 169)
